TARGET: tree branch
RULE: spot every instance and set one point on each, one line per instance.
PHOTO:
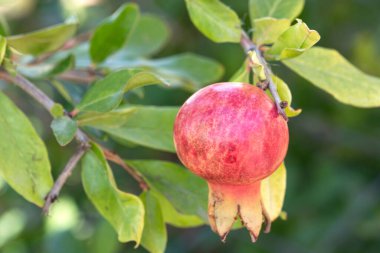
(29, 88)
(248, 47)
(81, 76)
(80, 136)
(110, 156)
(65, 174)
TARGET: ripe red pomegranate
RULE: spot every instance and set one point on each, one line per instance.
(231, 135)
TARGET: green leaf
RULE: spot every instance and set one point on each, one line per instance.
(149, 36)
(116, 117)
(242, 74)
(154, 236)
(48, 69)
(185, 191)
(285, 95)
(72, 93)
(148, 126)
(267, 30)
(3, 48)
(4, 26)
(289, 9)
(103, 240)
(61, 66)
(24, 161)
(64, 129)
(44, 40)
(273, 192)
(112, 33)
(124, 211)
(173, 217)
(106, 94)
(331, 72)
(188, 70)
(293, 42)
(215, 20)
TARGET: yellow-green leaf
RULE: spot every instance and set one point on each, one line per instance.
(293, 42)
(267, 30)
(273, 192)
(44, 40)
(285, 95)
(24, 161)
(124, 211)
(289, 9)
(3, 47)
(215, 20)
(330, 71)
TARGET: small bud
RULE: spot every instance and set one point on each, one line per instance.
(284, 104)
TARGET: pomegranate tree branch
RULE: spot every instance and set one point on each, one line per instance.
(65, 174)
(250, 47)
(38, 95)
(29, 88)
(110, 156)
(82, 76)
(80, 136)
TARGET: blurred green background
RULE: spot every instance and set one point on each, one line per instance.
(333, 195)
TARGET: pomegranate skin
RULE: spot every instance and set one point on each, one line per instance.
(232, 135)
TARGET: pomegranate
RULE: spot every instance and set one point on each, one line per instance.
(231, 135)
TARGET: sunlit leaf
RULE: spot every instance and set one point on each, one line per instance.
(44, 40)
(293, 42)
(112, 34)
(185, 191)
(215, 20)
(288, 9)
(257, 66)
(154, 234)
(24, 161)
(124, 211)
(3, 47)
(273, 192)
(267, 30)
(330, 71)
(285, 95)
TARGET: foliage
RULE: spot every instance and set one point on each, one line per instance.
(116, 62)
